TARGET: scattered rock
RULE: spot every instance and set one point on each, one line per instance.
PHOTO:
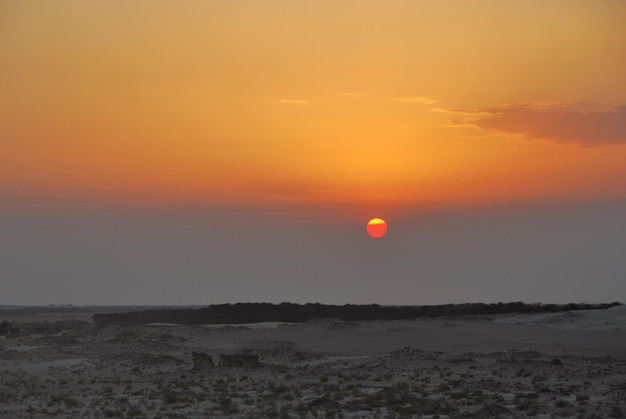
(325, 404)
(357, 406)
(492, 410)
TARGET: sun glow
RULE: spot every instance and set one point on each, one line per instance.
(147, 111)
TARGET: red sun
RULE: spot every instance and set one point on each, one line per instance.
(376, 227)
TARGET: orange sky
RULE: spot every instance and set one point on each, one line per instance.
(367, 103)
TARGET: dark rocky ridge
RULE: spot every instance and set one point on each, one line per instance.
(288, 312)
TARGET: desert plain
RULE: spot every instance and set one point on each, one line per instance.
(567, 364)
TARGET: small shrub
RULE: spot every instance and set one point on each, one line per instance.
(561, 404)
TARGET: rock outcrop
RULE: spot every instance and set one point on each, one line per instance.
(201, 361)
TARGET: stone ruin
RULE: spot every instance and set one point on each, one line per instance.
(201, 361)
(239, 360)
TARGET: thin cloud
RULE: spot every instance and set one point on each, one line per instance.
(295, 101)
(469, 112)
(323, 191)
(415, 99)
(556, 121)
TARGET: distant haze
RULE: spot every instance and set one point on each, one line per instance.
(536, 253)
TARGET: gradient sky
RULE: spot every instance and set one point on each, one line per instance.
(193, 152)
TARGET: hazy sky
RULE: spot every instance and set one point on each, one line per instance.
(195, 152)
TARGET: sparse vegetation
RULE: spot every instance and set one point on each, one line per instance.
(146, 372)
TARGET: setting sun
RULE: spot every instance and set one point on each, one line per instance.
(377, 227)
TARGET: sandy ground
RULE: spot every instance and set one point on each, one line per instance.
(570, 364)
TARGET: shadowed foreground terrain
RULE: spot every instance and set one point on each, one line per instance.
(556, 364)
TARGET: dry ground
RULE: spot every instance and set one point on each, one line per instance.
(569, 364)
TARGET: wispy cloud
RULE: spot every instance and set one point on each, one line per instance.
(468, 112)
(323, 191)
(295, 101)
(561, 122)
(415, 99)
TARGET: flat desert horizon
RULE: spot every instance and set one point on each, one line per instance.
(544, 364)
